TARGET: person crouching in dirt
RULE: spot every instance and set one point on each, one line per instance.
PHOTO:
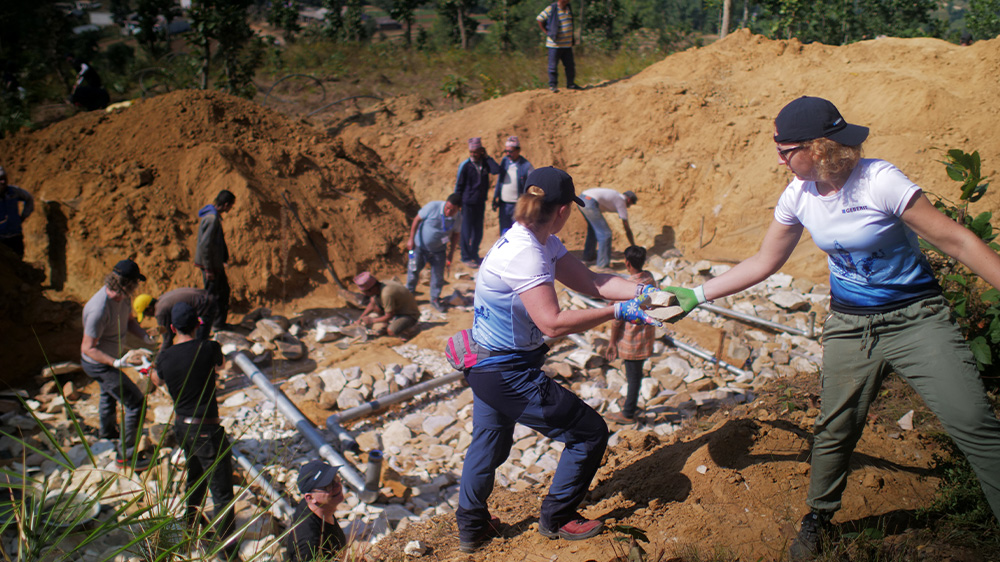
(391, 309)
(203, 303)
(316, 534)
(107, 319)
(887, 312)
(515, 306)
(187, 369)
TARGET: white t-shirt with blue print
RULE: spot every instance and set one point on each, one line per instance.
(875, 260)
(516, 263)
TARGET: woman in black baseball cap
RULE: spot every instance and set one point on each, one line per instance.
(887, 312)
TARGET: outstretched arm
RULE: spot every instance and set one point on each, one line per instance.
(952, 238)
(774, 251)
(628, 232)
(572, 272)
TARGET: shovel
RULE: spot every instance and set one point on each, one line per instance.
(354, 299)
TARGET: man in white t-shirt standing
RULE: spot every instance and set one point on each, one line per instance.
(600, 200)
(514, 170)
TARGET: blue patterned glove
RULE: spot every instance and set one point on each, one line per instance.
(688, 298)
(632, 312)
(645, 289)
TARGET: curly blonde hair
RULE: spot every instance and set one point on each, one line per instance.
(833, 160)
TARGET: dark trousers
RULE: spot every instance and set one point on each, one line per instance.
(506, 213)
(472, 230)
(529, 397)
(564, 54)
(117, 388)
(633, 374)
(219, 287)
(15, 243)
(209, 466)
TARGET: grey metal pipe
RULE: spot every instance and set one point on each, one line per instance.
(390, 399)
(348, 473)
(373, 475)
(699, 352)
(280, 507)
(760, 321)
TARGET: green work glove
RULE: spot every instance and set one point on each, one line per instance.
(687, 298)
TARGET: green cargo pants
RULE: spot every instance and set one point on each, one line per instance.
(923, 345)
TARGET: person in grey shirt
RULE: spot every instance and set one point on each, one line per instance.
(434, 232)
(107, 318)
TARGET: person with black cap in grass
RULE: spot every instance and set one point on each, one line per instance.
(107, 318)
(887, 311)
(187, 368)
(316, 534)
(516, 305)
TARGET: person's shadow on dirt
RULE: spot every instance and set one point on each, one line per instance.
(657, 477)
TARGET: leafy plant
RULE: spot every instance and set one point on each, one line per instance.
(976, 307)
(960, 503)
(455, 87)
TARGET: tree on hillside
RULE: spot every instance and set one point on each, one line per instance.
(838, 22)
(457, 21)
(153, 40)
(405, 11)
(333, 21)
(609, 19)
(225, 22)
(284, 14)
(354, 21)
(983, 19)
(503, 15)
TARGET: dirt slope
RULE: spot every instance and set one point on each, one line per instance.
(130, 183)
(691, 135)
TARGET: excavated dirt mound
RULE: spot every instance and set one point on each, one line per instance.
(130, 183)
(691, 135)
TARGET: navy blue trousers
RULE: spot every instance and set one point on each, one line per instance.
(564, 54)
(527, 396)
(472, 230)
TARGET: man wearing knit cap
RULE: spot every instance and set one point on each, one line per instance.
(473, 184)
(12, 197)
(602, 200)
(514, 170)
(391, 308)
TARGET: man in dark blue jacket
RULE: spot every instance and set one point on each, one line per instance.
(473, 184)
(15, 206)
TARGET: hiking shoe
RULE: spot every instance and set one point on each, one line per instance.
(493, 530)
(438, 305)
(620, 418)
(811, 533)
(573, 87)
(554, 89)
(575, 530)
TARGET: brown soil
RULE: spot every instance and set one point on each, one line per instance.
(690, 135)
(732, 484)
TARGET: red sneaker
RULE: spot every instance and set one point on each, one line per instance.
(575, 530)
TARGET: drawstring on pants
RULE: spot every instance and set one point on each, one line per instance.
(869, 337)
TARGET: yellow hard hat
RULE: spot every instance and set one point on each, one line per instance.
(140, 304)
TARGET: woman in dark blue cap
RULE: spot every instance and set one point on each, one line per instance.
(887, 312)
(515, 306)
